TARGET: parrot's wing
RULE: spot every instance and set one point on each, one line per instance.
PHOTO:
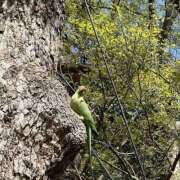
(84, 109)
(75, 101)
(79, 106)
(86, 113)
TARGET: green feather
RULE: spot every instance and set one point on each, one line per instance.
(79, 106)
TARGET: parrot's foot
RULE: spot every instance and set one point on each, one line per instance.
(81, 118)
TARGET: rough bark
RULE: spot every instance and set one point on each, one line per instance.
(39, 133)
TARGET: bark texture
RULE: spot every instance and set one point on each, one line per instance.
(39, 133)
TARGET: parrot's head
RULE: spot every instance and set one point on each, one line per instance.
(81, 90)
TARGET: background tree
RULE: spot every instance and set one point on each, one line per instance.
(138, 41)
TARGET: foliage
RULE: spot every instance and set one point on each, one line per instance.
(148, 89)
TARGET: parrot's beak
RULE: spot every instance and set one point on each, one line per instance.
(82, 88)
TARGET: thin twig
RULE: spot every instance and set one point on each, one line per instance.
(114, 166)
(77, 172)
(97, 156)
(176, 160)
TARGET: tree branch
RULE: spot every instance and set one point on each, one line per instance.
(176, 160)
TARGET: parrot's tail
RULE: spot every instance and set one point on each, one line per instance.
(89, 136)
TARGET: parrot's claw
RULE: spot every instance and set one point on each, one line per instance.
(81, 117)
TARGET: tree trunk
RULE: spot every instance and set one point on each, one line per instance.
(151, 12)
(39, 133)
(170, 15)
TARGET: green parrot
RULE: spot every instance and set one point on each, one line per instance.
(79, 106)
